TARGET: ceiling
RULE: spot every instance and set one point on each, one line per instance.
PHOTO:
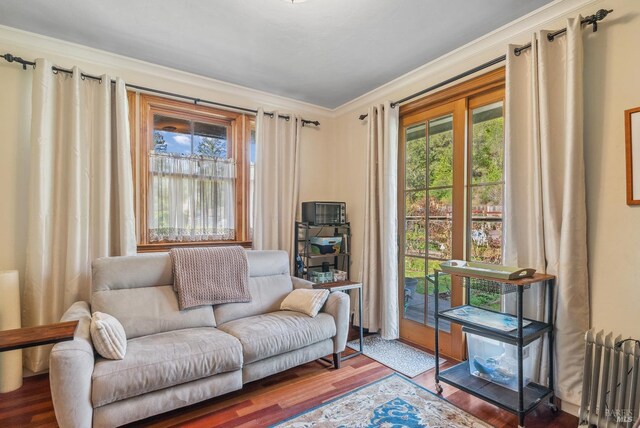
(324, 52)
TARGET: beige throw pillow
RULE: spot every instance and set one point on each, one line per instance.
(306, 301)
(108, 336)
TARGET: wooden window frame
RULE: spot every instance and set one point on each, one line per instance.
(463, 95)
(239, 127)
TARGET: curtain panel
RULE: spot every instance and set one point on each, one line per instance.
(80, 192)
(191, 198)
(545, 211)
(379, 274)
(276, 184)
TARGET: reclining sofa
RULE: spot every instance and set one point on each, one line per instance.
(176, 358)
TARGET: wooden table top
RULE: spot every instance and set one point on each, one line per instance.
(35, 336)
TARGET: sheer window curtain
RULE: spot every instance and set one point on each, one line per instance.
(545, 210)
(380, 247)
(191, 198)
(277, 177)
(80, 192)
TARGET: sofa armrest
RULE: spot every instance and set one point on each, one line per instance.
(300, 283)
(70, 369)
(337, 305)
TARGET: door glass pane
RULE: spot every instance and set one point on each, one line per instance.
(444, 295)
(486, 223)
(415, 223)
(441, 151)
(414, 289)
(440, 223)
(416, 157)
(488, 144)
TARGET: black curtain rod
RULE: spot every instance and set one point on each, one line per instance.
(589, 20)
(11, 58)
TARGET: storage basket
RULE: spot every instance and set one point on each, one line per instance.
(497, 361)
(339, 275)
(320, 277)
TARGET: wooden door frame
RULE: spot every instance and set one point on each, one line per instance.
(464, 94)
(414, 331)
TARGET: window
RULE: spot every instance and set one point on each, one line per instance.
(194, 175)
(486, 183)
(452, 157)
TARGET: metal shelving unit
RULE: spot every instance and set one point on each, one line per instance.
(528, 396)
(341, 261)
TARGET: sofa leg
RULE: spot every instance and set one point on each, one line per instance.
(336, 360)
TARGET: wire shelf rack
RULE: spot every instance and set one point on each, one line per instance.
(493, 287)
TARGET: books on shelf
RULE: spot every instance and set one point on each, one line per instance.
(490, 319)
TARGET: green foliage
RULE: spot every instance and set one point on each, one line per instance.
(434, 167)
(212, 148)
(488, 151)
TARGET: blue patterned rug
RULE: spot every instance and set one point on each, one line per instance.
(394, 401)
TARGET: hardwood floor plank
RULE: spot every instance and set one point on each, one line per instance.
(268, 401)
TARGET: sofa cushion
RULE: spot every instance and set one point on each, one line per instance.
(267, 294)
(150, 310)
(275, 333)
(137, 271)
(163, 360)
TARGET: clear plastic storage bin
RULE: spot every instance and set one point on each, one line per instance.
(497, 361)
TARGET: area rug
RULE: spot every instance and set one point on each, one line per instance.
(396, 355)
(394, 401)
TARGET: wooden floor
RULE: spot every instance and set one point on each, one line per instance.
(270, 400)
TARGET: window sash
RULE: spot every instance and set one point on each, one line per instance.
(191, 199)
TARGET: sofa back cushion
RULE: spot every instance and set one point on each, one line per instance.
(138, 292)
(269, 283)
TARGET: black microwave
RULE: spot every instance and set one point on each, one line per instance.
(324, 213)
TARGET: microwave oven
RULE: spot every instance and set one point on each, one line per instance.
(324, 213)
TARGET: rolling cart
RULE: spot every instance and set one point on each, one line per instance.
(526, 397)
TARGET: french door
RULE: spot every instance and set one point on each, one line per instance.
(452, 177)
(433, 207)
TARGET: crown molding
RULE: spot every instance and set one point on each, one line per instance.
(95, 61)
(473, 53)
(65, 54)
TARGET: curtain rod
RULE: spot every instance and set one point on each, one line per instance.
(589, 20)
(11, 58)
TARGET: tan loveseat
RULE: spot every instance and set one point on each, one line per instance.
(176, 358)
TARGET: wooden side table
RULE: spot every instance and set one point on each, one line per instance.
(20, 338)
(345, 286)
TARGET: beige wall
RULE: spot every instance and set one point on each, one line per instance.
(333, 156)
(318, 147)
(611, 86)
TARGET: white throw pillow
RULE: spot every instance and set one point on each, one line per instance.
(305, 300)
(108, 336)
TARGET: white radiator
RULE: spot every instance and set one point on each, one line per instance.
(610, 392)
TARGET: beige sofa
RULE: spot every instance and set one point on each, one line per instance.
(176, 358)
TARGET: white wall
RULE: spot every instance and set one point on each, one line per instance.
(612, 85)
(317, 152)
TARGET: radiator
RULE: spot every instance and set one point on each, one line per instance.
(610, 392)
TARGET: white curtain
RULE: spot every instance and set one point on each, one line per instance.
(380, 247)
(80, 192)
(277, 176)
(545, 211)
(191, 198)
